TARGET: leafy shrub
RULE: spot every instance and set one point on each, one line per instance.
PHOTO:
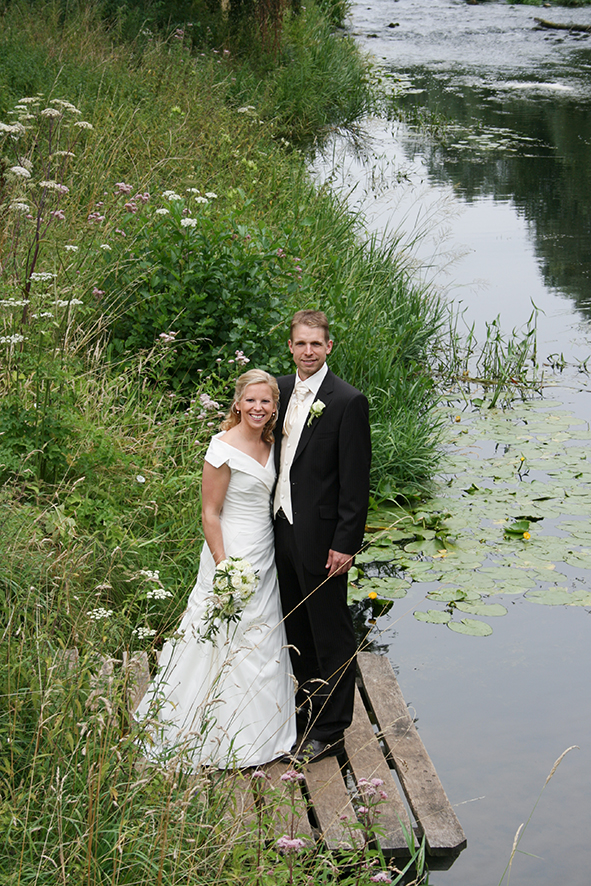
(210, 282)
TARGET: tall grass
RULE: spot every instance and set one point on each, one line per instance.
(100, 457)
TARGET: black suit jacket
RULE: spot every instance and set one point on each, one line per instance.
(330, 472)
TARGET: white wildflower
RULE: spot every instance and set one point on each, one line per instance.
(83, 124)
(66, 302)
(143, 633)
(193, 191)
(201, 200)
(158, 594)
(42, 276)
(20, 171)
(14, 302)
(69, 247)
(211, 195)
(171, 195)
(140, 478)
(163, 211)
(54, 186)
(42, 315)
(63, 154)
(20, 207)
(50, 112)
(30, 100)
(149, 574)
(188, 222)
(105, 246)
(12, 128)
(67, 106)
(246, 109)
(15, 339)
(101, 612)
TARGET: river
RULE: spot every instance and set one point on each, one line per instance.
(491, 196)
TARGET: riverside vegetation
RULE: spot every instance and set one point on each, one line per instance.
(158, 229)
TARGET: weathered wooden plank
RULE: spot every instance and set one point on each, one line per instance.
(420, 782)
(367, 761)
(331, 803)
(242, 811)
(289, 820)
(137, 669)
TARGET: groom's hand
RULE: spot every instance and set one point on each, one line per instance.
(337, 563)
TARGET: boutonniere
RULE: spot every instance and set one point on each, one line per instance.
(316, 410)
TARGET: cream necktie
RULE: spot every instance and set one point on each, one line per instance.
(295, 407)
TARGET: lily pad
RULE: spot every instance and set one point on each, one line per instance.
(430, 547)
(389, 587)
(451, 595)
(433, 616)
(471, 626)
(559, 597)
(481, 608)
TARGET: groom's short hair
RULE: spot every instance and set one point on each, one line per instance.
(310, 318)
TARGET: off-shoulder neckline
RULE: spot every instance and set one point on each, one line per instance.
(235, 448)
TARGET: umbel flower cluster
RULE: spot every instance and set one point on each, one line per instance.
(234, 583)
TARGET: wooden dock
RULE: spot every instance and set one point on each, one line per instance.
(382, 742)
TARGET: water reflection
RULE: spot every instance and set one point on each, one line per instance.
(518, 144)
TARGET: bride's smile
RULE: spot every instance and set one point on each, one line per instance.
(257, 405)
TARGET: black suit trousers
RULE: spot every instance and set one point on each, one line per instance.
(318, 624)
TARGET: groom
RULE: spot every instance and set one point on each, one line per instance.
(322, 456)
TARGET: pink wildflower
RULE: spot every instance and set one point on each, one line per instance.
(167, 337)
(291, 776)
(241, 359)
(98, 292)
(122, 188)
(130, 206)
(287, 844)
(58, 213)
(96, 218)
(381, 877)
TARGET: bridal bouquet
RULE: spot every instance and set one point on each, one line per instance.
(234, 583)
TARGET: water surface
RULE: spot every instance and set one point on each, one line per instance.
(496, 210)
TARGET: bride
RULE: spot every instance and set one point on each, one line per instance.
(229, 700)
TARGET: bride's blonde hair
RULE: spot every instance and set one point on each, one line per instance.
(253, 377)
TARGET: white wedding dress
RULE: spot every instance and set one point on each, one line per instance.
(228, 701)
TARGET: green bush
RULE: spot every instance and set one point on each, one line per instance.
(215, 284)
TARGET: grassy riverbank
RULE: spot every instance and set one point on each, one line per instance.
(157, 218)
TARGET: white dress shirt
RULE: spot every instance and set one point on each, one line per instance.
(295, 419)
